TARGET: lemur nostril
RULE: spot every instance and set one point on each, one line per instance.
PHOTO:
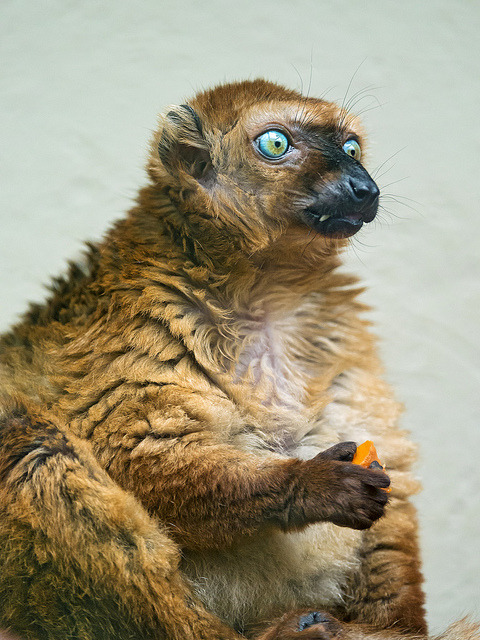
(363, 190)
(360, 191)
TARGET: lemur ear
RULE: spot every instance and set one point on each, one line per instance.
(182, 146)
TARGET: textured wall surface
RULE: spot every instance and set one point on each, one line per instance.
(81, 84)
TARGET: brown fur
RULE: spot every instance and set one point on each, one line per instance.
(166, 468)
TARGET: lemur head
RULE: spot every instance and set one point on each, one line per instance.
(259, 159)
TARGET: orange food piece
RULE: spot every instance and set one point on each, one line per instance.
(365, 455)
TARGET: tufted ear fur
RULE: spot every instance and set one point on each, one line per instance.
(182, 146)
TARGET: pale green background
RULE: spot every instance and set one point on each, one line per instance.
(82, 82)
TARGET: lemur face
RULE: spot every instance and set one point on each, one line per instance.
(313, 153)
(259, 156)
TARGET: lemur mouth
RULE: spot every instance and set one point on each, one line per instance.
(334, 223)
(343, 206)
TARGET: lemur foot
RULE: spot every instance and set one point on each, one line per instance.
(307, 625)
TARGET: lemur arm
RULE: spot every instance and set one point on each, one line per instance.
(210, 493)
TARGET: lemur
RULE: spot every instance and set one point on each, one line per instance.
(179, 418)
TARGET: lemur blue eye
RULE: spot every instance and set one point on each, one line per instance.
(352, 149)
(273, 144)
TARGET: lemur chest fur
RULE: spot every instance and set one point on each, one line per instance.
(268, 364)
(285, 365)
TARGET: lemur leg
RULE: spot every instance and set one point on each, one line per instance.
(79, 557)
(386, 591)
(320, 626)
(384, 598)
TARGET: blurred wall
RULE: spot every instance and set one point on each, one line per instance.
(82, 82)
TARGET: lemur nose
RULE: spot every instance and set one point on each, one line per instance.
(363, 190)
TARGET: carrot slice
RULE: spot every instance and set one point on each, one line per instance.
(365, 455)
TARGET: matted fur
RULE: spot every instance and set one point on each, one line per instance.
(166, 410)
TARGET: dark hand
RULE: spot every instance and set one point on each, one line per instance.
(337, 491)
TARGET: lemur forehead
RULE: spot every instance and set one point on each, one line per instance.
(306, 114)
(260, 101)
